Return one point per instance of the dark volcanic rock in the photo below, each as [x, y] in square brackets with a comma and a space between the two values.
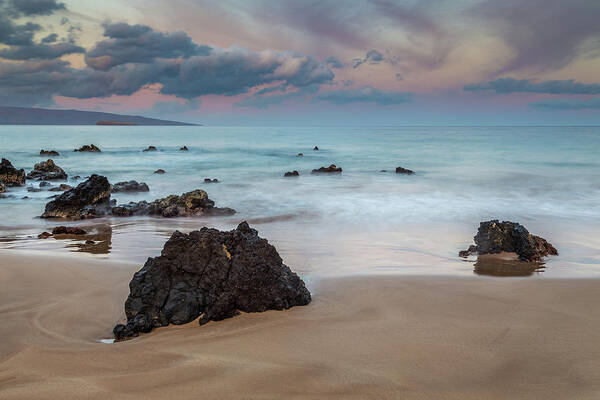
[9, 175]
[327, 170]
[209, 274]
[46, 171]
[400, 170]
[495, 237]
[291, 173]
[300, 155]
[32, 189]
[88, 200]
[195, 203]
[68, 230]
[131, 186]
[160, 171]
[44, 184]
[62, 188]
[184, 148]
[315, 148]
[89, 148]
[150, 148]
[208, 180]
[49, 153]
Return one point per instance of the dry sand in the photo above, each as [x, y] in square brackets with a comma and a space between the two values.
[362, 337]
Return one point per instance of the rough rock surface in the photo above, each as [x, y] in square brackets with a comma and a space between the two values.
[150, 148]
[91, 148]
[46, 171]
[2, 188]
[400, 170]
[209, 274]
[189, 204]
[88, 200]
[130, 186]
[49, 153]
[291, 173]
[495, 237]
[327, 170]
[9, 175]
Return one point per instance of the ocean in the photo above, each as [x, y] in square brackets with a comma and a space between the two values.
[362, 221]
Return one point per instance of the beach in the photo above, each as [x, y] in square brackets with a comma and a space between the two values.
[363, 336]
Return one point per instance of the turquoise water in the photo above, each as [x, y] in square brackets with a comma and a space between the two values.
[547, 178]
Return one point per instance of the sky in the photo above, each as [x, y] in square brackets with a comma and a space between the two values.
[301, 62]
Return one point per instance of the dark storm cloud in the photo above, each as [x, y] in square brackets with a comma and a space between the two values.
[51, 38]
[545, 34]
[14, 34]
[511, 85]
[365, 94]
[47, 51]
[567, 104]
[140, 44]
[35, 7]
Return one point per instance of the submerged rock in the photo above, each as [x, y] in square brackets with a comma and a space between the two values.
[9, 175]
[88, 200]
[209, 274]
[49, 153]
[195, 203]
[150, 148]
[184, 148]
[160, 171]
[327, 170]
[400, 170]
[89, 148]
[46, 171]
[291, 173]
[316, 148]
[494, 237]
[130, 186]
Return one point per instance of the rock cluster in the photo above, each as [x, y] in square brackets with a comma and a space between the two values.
[89, 148]
[130, 186]
[9, 175]
[88, 200]
[400, 170]
[46, 171]
[195, 203]
[209, 274]
[495, 237]
[327, 170]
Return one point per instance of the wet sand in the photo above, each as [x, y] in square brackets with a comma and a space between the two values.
[362, 337]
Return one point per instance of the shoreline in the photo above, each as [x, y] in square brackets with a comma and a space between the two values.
[361, 337]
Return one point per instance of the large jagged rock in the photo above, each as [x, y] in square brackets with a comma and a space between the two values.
[495, 237]
[9, 175]
[195, 203]
[130, 186]
[209, 274]
[46, 171]
[88, 200]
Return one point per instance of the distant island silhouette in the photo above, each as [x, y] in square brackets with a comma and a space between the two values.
[42, 116]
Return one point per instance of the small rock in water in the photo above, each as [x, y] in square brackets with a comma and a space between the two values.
[208, 180]
[62, 188]
[44, 184]
[160, 171]
[291, 173]
[316, 148]
[300, 155]
[494, 237]
[44, 235]
[68, 230]
[400, 170]
[9, 175]
[150, 148]
[209, 274]
[46, 171]
[130, 186]
[325, 170]
[184, 148]
[89, 148]
[32, 189]
[49, 153]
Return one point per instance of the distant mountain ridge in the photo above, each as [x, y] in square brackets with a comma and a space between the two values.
[42, 116]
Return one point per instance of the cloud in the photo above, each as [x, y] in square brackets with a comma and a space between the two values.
[13, 34]
[365, 94]
[36, 7]
[545, 34]
[262, 101]
[140, 44]
[567, 104]
[373, 57]
[334, 62]
[51, 38]
[47, 51]
[511, 85]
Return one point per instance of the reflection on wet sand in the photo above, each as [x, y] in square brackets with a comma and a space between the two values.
[98, 240]
[505, 265]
